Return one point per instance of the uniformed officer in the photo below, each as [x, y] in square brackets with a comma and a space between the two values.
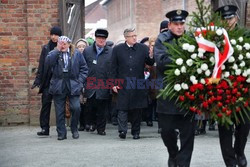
[233, 154]
[172, 118]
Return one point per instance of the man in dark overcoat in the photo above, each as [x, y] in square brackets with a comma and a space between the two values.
[128, 61]
[69, 73]
[43, 82]
[98, 58]
[233, 152]
[172, 118]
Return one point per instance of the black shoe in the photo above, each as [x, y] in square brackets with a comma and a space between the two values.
[136, 136]
[81, 128]
[103, 133]
[242, 161]
[75, 135]
[92, 128]
[87, 127]
[196, 132]
[61, 137]
[43, 133]
[150, 123]
[171, 162]
[202, 132]
[122, 135]
[211, 127]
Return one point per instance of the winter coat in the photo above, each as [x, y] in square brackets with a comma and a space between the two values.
[128, 65]
[99, 69]
[162, 58]
[78, 71]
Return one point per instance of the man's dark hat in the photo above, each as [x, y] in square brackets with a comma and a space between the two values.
[177, 15]
[227, 11]
[110, 43]
[163, 25]
[101, 33]
[145, 39]
[56, 31]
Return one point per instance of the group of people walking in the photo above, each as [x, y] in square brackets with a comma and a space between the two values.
[97, 71]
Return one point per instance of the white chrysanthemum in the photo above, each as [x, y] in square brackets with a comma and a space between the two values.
[248, 80]
[177, 87]
[204, 66]
[239, 47]
[193, 56]
[200, 50]
[223, 67]
[212, 59]
[242, 64]
[207, 73]
[195, 81]
[238, 72]
[179, 61]
[248, 71]
[231, 59]
[199, 71]
[240, 39]
[244, 74]
[203, 81]
[212, 28]
[235, 66]
[183, 69]
[192, 78]
[177, 72]
[247, 46]
[233, 41]
[248, 55]
[200, 55]
[185, 46]
[219, 32]
[189, 62]
[240, 57]
[226, 74]
[184, 86]
[191, 48]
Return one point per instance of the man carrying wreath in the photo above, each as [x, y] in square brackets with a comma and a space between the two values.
[233, 154]
[172, 118]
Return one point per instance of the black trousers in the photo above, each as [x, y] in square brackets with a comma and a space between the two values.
[74, 105]
[82, 115]
[134, 117]
[228, 149]
[186, 127]
[96, 113]
[45, 110]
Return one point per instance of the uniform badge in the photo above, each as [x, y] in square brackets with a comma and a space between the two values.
[226, 8]
[178, 12]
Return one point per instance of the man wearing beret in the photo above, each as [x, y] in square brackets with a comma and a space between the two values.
[128, 62]
[43, 82]
[172, 118]
[98, 57]
[233, 154]
[69, 73]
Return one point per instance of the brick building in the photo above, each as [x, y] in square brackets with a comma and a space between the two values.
[146, 15]
[24, 28]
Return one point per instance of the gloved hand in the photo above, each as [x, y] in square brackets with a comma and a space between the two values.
[34, 85]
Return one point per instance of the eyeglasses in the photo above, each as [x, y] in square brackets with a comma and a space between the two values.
[134, 36]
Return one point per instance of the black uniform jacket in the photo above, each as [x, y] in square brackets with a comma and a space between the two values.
[162, 58]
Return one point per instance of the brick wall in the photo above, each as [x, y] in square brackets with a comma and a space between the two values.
[24, 28]
[248, 16]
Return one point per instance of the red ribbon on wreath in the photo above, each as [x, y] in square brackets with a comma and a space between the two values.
[220, 58]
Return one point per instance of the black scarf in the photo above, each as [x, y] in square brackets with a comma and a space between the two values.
[52, 45]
